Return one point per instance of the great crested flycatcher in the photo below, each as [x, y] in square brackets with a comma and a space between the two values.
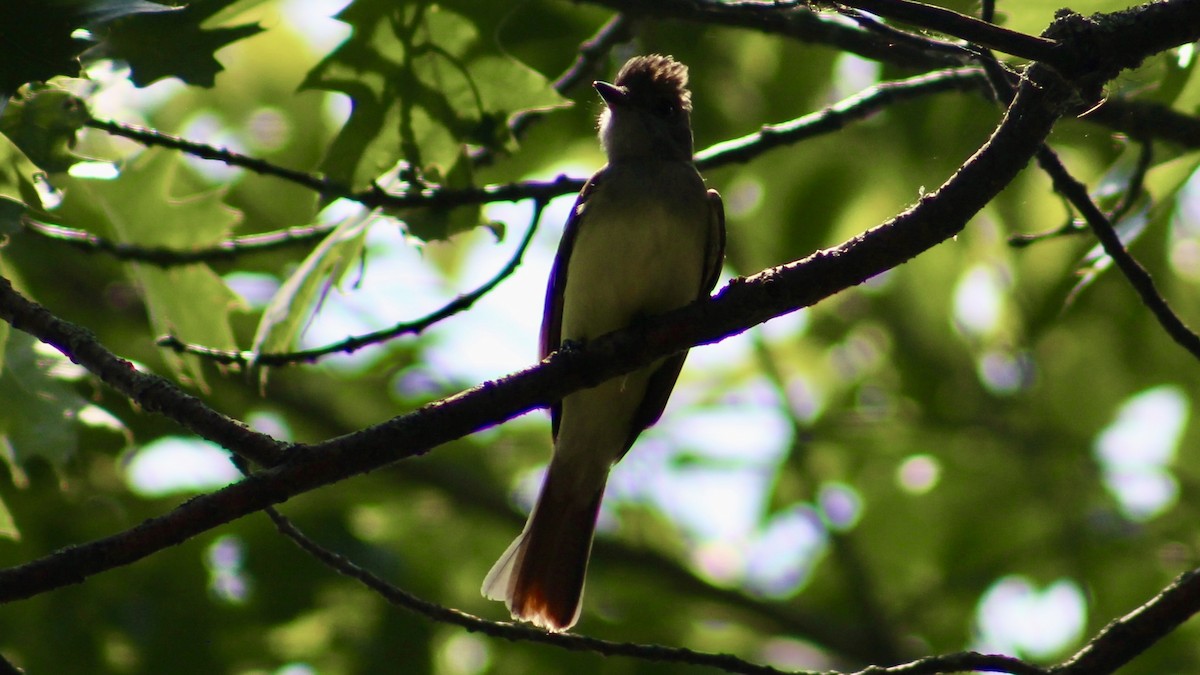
[643, 238]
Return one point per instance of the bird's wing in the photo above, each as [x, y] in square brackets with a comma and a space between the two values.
[551, 335]
[714, 249]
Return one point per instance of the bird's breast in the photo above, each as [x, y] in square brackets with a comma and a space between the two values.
[639, 250]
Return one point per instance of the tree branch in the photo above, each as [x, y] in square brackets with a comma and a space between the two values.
[352, 344]
[968, 28]
[172, 257]
[153, 137]
[591, 53]
[957, 663]
[1138, 277]
[150, 392]
[1146, 120]
[1132, 634]
[789, 19]
[399, 597]
[373, 197]
[509, 631]
[853, 109]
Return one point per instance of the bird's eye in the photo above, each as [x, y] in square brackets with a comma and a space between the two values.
[666, 109]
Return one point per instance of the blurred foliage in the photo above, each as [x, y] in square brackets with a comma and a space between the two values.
[946, 428]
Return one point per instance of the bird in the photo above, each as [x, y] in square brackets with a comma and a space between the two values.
[645, 236]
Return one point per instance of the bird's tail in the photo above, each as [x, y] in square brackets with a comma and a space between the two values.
[540, 576]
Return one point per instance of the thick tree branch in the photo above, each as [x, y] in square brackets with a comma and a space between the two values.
[1132, 634]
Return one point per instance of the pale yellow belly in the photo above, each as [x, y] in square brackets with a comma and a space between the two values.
[636, 257]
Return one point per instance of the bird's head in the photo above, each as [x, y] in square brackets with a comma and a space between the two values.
[647, 111]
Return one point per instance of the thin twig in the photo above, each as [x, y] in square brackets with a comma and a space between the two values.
[660, 653]
[960, 662]
[354, 343]
[1146, 120]
[1074, 226]
[153, 137]
[1070, 228]
[1138, 277]
[951, 50]
[1142, 121]
[591, 52]
[962, 26]
[855, 108]
[1137, 183]
[373, 197]
[170, 257]
[508, 631]
[795, 20]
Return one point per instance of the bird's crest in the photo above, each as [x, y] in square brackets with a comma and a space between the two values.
[656, 77]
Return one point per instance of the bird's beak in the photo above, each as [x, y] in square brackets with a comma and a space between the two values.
[613, 95]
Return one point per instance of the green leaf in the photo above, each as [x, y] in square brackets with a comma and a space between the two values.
[189, 301]
[16, 180]
[38, 405]
[1187, 92]
[174, 44]
[1165, 180]
[43, 124]
[300, 296]
[423, 83]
